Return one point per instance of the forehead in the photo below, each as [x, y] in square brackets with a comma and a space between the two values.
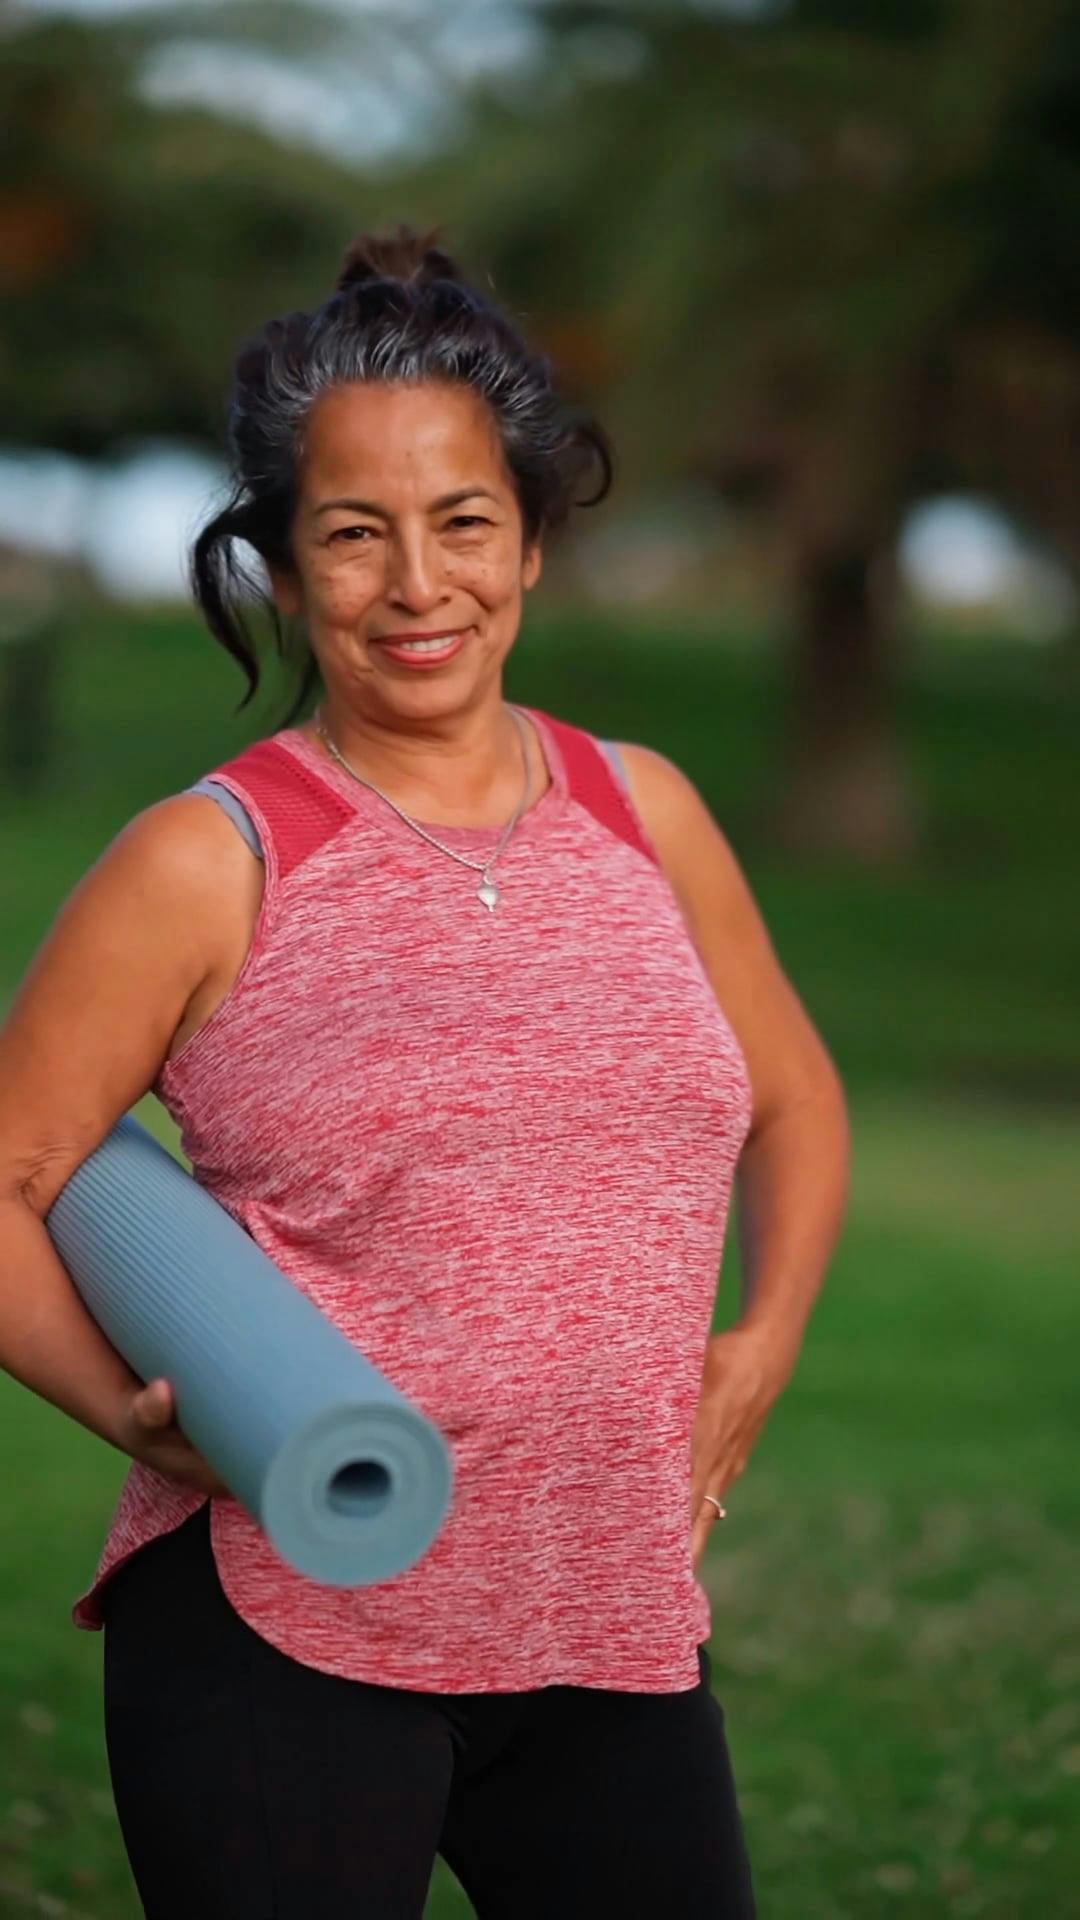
[400, 433]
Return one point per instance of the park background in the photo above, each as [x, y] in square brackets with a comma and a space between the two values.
[817, 266]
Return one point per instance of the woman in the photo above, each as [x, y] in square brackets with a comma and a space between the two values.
[470, 1036]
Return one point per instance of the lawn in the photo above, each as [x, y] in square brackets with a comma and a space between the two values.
[896, 1591]
[958, 975]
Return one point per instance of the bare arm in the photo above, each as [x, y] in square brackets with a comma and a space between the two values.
[89, 1028]
[794, 1168]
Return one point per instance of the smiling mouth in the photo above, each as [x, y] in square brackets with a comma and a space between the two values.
[433, 633]
[424, 648]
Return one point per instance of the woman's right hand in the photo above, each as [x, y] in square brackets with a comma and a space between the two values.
[150, 1434]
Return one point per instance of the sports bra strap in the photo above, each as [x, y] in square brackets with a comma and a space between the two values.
[235, 809]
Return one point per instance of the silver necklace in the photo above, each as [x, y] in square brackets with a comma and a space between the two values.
[487, 891]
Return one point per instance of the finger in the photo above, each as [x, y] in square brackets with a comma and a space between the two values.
[699, 1537]
[154, 1404]
[707, 1515]
[699, 1488]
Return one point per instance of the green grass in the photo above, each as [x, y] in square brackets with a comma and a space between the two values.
[896, 1591]
[956, 977]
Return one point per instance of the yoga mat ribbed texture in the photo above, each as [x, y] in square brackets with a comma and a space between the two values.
[349, 1481]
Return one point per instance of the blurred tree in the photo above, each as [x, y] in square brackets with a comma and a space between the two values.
[31, 602]
[140, 243]
[826, 258]
[822, 256]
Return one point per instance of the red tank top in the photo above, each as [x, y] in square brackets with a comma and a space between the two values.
[496, 1148]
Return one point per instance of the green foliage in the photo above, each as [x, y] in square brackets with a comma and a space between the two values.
[749, 241]
[801, 246]
[145, 243]
[818, 262]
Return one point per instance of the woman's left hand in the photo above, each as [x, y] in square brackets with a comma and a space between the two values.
[745, 1369]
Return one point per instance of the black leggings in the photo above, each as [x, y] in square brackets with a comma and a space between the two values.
[248, 1784]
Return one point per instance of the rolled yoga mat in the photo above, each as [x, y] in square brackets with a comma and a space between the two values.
[349, 1480]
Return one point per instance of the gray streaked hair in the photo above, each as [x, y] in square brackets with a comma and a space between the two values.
[399, 312]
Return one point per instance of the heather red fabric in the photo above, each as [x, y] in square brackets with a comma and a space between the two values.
[497, 1150]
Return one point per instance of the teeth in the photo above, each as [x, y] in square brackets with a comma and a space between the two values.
[425, 646]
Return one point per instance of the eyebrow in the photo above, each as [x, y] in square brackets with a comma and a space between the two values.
[435, 506]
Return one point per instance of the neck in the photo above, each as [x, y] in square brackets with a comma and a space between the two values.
[475, 777]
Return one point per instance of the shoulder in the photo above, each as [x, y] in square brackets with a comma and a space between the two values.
[186, 840]
[662, 787]
[180, 864]
[693, 849]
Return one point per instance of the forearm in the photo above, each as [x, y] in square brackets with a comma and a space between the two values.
[48, 1340]
[792, 1192]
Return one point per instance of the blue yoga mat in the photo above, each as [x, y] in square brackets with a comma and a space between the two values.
[349, 1480]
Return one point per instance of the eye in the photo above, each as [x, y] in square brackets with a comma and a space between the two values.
[340, 532]
[469, 520]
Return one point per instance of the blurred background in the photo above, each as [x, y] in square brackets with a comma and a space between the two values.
[817, 266]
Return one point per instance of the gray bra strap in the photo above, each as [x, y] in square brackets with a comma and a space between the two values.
[241, 818]
[616, 759]
[237, 813]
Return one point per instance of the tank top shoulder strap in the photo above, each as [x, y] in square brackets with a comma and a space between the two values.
[292, 810]
[594, 784]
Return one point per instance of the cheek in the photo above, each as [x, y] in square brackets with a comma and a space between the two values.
[341, 592]
[494, 577]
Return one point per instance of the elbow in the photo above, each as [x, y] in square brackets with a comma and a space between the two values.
[816, 1092]
[35, 1182]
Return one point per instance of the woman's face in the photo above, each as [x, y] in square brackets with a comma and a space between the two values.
[379, 550]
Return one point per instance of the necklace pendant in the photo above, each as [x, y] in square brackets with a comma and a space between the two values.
[488, 892]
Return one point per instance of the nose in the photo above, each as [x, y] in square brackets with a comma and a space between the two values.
[414, 571]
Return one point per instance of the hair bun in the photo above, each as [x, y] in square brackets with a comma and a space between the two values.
[402, 255]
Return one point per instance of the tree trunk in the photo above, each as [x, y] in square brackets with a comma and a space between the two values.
[846, 789]
[30, 640]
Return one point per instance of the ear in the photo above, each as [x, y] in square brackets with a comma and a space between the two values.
[285, 588]
[531, 565]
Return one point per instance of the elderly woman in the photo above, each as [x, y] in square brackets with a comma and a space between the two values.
[467, 1017]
